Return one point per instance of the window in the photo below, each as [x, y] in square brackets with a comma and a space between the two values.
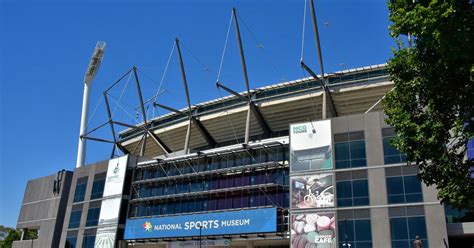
[390, 154]
[403, 186]
[71, 240]
[356, 226]
[88, 241]
[80, 189]
[350, 150]
[352, 188]
[75, 218]
[405, 224]
[98, 186]
[93, 216]
[454, 215]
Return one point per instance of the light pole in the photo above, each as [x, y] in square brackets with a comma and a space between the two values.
[200, 234]
[345, 234]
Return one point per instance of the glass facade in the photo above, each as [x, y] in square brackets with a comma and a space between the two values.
[352, 193]
[98, 186]
[454, 215]
[403, 231]
[234, 180]
[354, 228]
[359, 233]
[75, 218]
[93, 216]
[71, 242]
[404, 189]
[349, 150]
[390, 154]
[352, 188]
[88, 241]
[80, 192]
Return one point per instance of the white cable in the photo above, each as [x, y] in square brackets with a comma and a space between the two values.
[166, 69]
[225, 46]
[121, 94]
[95, 109]
[304, 25]
[131, 116]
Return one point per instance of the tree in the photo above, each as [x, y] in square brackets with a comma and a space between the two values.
[432, 102]
[12, 236]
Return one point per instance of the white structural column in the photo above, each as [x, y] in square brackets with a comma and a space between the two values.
[92, 69]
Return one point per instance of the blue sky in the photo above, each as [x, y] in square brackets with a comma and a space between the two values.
[46, 46]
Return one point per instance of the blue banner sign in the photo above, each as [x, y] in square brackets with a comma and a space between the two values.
[221, 223]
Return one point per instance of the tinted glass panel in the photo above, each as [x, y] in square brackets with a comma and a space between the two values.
[93, 216]
[98, 188]
[75, 219]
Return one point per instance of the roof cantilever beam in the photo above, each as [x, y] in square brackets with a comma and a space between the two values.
[155, 138]
[327, 92]
[203, 131]
[260, 119]
[258, 115]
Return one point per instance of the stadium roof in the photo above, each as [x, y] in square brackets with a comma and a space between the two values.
[353, 91]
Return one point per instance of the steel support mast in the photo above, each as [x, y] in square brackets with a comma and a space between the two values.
[92, 69]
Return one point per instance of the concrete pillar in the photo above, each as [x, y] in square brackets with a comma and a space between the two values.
[249, 244]
[379, 220]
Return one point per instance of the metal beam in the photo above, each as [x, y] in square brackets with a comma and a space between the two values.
[229, 90]
[205, 134]
[316, 36]
[97, 139]
[185, 84]
[159, 142]
[261, 120]
[140, 98]
[327, 93]
[155, 138]
[118, 80]
[241, 49]
[168, 108]
[109, 114]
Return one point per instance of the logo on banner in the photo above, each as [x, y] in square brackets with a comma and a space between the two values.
[299, 129]
[147, 226]
[116, 169]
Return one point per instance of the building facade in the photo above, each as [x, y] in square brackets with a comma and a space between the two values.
[300, 181]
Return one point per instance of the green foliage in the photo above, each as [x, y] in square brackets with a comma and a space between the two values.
[12, 236]
[432, 104]
[16, 235]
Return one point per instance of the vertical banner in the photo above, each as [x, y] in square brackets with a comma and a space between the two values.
[312, 191]
[110, 207]
[311, 146]
[315, 230]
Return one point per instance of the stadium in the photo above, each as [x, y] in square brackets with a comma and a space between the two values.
[305, 163]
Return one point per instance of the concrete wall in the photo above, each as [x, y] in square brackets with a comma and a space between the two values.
[43, 210]
[372, 124]
[88, 171]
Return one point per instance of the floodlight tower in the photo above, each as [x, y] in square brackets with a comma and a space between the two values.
[92, 69]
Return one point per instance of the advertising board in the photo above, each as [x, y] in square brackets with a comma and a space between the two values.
[110, 206]
[199, 243]
[315, 230]
[115, 176]
[312, 191]
[219, 223]
[311, 146]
